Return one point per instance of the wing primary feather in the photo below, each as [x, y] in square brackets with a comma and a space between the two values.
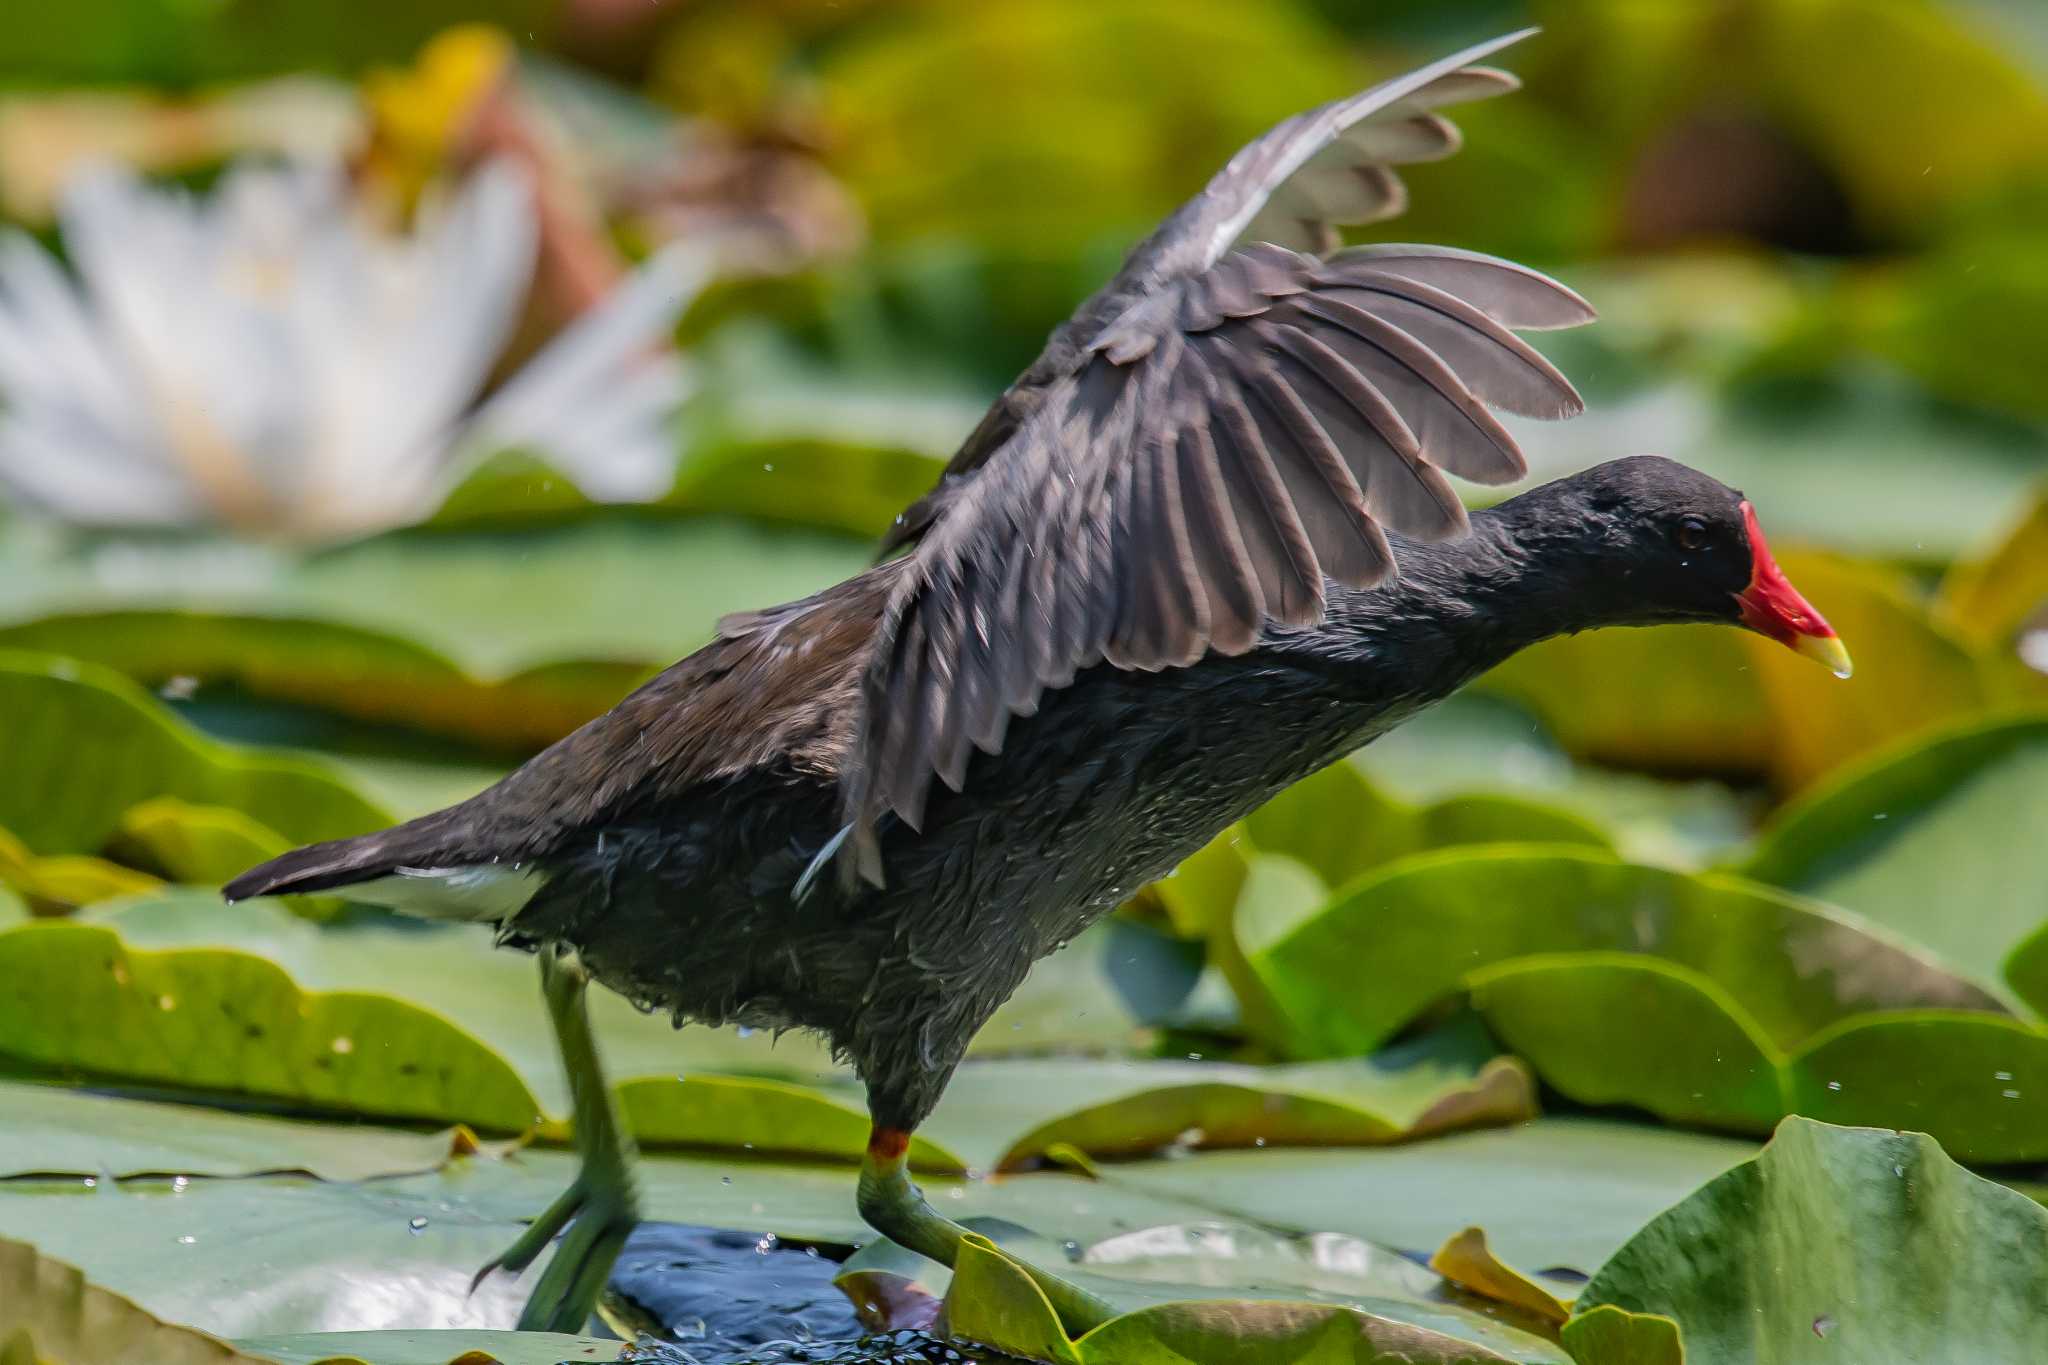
[1236, 604]
[1402, 488]
[1491, 458]
[1290, 579]
[1498, 366]
[1512, 295]
[1350, 547]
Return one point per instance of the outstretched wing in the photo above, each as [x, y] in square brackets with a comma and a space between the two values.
[1232, 419]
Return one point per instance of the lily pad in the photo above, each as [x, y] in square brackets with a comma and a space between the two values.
[85, 745]
[1907, 838]
[1422, 926]
[1912, 673]
[1613, 1336]
[52, 1131]
[1886, 1250]
[1977, 1081]
[226, 1022]
[1695, 699]
[50, 1312]
[65, 881]
[1990, 595]
[1558, 1192]
[1124, 1108]
[350, 670]
[430, 1348]
[992, 1301]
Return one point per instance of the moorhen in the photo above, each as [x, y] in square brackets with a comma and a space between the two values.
[1201, 548]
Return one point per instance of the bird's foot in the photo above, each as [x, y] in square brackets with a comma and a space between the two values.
[894, 1207]
[599, 1216]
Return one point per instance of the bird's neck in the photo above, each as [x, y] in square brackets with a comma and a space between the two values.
[1531, 568]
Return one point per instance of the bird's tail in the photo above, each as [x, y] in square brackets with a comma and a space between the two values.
[345, 862]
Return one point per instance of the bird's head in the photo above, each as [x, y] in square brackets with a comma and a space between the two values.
[1690, 548]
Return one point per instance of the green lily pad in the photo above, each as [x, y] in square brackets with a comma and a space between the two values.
[452, 970]
[1991, 594]
[1977, 1081]
[1731, 703]
[1421, 927]
[205, 846]
[228, 1022]
[85, 745]
[350, 670]
[1912, 673]
[494, 603]
[50, 1312]
[1124, 1108]
[992, 1301]
[1692, 1054]
[431, 1348]
[1900, 838]
[1558, 1192]
[1614, 1336]
[1338, 824]
[52, 1131]
[64, 881]
[1884, 1248]
[774, 1118]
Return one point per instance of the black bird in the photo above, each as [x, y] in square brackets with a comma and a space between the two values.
[1203, 547]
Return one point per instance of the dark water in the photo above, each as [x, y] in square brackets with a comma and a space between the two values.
[733, 1298]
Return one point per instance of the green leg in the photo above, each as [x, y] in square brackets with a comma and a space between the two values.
[896, 1208]
[601, 1201]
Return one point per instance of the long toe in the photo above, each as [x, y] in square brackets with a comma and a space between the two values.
[569, 1288]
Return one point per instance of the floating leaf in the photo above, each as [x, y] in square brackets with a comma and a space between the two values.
[49, 1312]
[431, 1348]
[220, 1021]
[65, 881]
[85, 745]
[1912, 673]
[1466, 1261]
[1885, 1249]
[1123, 1109]
[1421, 927]
[349, 670]
[992, 1301]
[206, 846]
[52, 1131]
[1991, 594]
[1558, 1192]
[1613, 1336]
[774, 1118]
[1899, 839]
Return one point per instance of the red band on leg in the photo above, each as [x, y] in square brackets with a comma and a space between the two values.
[888, 1144]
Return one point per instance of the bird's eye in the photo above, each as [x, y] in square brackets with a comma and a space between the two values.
[1692, 534]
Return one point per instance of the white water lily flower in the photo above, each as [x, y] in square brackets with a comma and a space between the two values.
[265, 359]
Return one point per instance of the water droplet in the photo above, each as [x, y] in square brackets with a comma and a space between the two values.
[416, 1224]
[2001, 1075]
[1258, 1142]
[1072, 1248]
[179, 1184]
[725, 1180]
[745, 1030]
[1823, 1325]
[344, 1046]
[1899, 1171]
[92, 1182]
[1194, 1056]
[1834, 1085]
[690, 1329]
[769, 1241]
[187, 1240]
[2010, 1094]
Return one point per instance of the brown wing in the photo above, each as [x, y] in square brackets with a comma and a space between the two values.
[1230, 432]
[1327, 168]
